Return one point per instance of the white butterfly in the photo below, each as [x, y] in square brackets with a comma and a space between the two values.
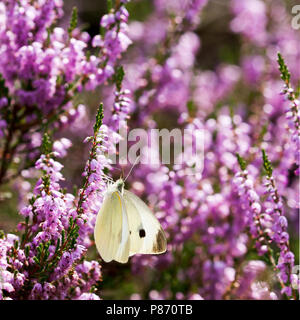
[126, 226]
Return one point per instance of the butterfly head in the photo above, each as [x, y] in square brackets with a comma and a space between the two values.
[120, 185]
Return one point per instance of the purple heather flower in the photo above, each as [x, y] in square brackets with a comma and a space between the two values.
[212, 218]
[61, 146]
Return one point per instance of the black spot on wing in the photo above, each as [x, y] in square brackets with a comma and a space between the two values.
[142, 233]
[160, 245]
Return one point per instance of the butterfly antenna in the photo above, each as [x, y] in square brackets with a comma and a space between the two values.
[122, 173]
[135, 162]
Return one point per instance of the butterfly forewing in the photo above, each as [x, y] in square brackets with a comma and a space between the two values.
[111, 230]
[135, 224]
[146, 233]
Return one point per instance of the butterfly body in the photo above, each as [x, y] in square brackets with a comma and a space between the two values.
[126, 226]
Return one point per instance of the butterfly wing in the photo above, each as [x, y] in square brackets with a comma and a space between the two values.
[146, 233]
[111, 229]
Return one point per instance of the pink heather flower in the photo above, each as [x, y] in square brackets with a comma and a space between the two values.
[3, 102]
[250, 19]
[61, 146]
[195, 296]
[89, 296]
[253, 68]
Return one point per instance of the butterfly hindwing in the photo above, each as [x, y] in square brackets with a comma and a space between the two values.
[111, 230]
[146, 233]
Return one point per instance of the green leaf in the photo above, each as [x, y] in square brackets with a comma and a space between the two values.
[47, 253]
[241, 162]
[46, 144]
[102, 31]
[36, 260]
[57, 245]
[285, 74]
[63, 236]
[73, 242]
[109, 5]
[191, 108]
[49, 32]
[71, 222]
[16, 244]
[39, 251]
[118, 77]
[267, 164]
[27, 248]
[32, 200]
[73, 21]
[47, 245]
[74, 231]
[99, 118]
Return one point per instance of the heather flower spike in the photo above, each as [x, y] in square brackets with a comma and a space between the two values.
[46, 144]
[267, 164]
[284, 72]
[118, 77]
[99, 119]
[73, 21]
